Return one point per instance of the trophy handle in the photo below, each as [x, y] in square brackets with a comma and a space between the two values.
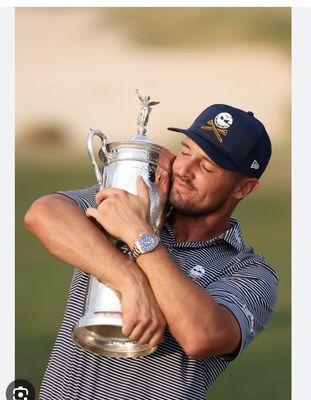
[103, 138]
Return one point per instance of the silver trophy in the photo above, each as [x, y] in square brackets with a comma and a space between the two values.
[99, 330]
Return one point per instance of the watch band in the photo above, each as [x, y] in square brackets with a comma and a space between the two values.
[135, 251]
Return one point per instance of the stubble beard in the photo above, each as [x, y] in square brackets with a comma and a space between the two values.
[191, 209]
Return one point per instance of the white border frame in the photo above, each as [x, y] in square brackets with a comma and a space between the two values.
[153, 3]
[7, 145]
[301, 143]
[301, 220]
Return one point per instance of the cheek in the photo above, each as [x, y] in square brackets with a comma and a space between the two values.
[177, 164]
[220, 189]
[211, 187]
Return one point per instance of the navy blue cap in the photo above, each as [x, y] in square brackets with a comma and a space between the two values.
[232, 138]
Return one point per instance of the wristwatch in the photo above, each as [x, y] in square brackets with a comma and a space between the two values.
[145, 243]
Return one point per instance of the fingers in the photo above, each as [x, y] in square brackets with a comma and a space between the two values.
[157, 338]
[152, 337]
[92, 212]
[99, 216]
[107, 192]
[145, 331]
[139, 331]
[128, 325]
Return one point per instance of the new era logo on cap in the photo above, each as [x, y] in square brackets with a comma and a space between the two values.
[234, 139]
[255, 164]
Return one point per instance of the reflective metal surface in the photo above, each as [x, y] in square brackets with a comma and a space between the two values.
[143, 116]
[100, 328]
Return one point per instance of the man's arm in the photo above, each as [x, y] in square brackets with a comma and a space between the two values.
[71, 236]
[200, 325]
[223, 318]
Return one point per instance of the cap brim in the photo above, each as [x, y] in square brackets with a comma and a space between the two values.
[209, 148]
[177, 130]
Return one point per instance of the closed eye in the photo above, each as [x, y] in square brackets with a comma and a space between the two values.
[206, 168]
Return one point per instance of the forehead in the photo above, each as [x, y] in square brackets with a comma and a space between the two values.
[196, 150]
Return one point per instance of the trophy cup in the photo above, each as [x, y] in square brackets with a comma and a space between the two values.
[99, 330]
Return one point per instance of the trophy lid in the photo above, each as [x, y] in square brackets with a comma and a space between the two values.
[139, 147]
[142, 138]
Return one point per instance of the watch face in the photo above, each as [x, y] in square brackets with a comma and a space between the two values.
[147, 242]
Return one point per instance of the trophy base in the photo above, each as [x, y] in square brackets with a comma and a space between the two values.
[101, 333]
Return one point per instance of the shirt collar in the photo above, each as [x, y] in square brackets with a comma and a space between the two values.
[233, 235]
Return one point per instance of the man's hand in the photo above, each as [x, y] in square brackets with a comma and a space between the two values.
[143, 320]
[123, 214]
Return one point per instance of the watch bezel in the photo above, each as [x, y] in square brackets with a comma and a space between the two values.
[142, 247]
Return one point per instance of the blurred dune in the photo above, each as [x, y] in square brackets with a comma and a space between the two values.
[78, 68]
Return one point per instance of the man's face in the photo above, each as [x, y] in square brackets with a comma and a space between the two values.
[199, 186]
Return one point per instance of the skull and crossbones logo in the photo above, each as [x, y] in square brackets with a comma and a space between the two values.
[223, 120]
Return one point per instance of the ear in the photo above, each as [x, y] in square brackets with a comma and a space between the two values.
[246, 186]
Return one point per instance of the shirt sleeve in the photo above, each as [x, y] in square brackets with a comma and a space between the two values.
[250, 295]
[84, 198]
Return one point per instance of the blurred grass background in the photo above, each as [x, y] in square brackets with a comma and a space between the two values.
[194, 27]
[47, 158]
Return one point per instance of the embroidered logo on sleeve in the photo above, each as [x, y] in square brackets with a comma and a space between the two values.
[250, 316]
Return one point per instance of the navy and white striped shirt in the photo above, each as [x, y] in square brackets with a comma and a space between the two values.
[224, 267]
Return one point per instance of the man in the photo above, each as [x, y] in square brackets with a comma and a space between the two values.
[199, 293]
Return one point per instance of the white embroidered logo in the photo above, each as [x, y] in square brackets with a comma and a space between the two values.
[251, 318]
[255, 165]
[223, 120]
[197, 271]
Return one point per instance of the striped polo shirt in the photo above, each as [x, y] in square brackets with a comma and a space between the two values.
[224, 267]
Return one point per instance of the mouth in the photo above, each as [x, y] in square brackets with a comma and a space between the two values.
[179, 182]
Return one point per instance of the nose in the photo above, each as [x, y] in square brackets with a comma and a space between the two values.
[186, 167]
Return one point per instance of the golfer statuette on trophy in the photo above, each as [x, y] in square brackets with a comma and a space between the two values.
[99, 330]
